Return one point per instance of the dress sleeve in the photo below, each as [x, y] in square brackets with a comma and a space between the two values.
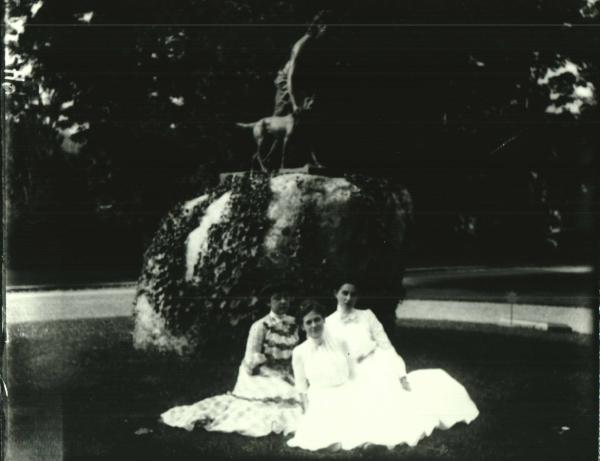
[383, 342]
[299, 373]
[253, 356]
[377, 332]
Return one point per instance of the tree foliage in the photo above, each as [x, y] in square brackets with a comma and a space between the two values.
[130, 106]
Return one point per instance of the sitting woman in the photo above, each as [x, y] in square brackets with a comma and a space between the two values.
[431, 397]
[264, 398]
[323, 372]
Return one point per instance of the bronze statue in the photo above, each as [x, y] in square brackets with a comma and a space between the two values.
[278, 128]
[291, 107]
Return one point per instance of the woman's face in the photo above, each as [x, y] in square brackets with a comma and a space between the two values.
[280, 302]
[346, 296]
[313, 324]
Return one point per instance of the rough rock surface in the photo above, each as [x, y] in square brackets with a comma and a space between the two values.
[321, 230]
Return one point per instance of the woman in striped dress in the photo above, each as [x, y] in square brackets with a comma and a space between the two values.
[264, 399]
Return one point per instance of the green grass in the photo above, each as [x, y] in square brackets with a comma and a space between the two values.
[81, 381]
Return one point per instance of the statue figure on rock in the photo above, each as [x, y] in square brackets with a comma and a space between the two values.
[208, 260]
[293, 107]
[278, 129]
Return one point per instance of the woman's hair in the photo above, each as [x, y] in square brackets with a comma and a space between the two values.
[341, 282]
[310, 305]
[275, 289]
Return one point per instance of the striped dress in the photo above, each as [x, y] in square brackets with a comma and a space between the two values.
[264, 399]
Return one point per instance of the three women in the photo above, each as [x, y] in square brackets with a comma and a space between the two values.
[351, 387]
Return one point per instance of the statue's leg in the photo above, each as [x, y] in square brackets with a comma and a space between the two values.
[272, 149]
[252, 160]
[258, 156]
[283, 150]
[314, 158]
[260, 162]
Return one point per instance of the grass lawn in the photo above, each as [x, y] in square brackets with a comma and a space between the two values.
[78, 390]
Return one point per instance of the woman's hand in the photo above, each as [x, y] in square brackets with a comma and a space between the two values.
[303, 402]
[249, 369]
[361, 357]
[405, 384]
[253, 371]
[253, 363]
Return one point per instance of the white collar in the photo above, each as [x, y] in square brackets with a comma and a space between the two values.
[314, 344]
[346, 316]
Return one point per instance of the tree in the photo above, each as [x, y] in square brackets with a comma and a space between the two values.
[140, 100]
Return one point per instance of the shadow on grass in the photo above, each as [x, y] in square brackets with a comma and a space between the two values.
[79, 389]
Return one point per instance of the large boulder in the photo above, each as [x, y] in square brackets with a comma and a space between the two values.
[212, 257]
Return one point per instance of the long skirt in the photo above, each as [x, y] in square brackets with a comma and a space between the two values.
[374, 409]
[257, 406]
[435, 401]
[329, 421]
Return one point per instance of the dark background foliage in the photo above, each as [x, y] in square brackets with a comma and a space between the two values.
[420, 92]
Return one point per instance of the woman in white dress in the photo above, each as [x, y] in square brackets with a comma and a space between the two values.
[431, 397]
[323, 373]
[264, 399]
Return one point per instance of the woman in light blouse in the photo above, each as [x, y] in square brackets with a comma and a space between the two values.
[431, 396]
[369, 345]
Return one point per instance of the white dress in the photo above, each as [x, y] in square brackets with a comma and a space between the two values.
[262, 402]
[342, 413]
[392, 415]
[323, 371]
